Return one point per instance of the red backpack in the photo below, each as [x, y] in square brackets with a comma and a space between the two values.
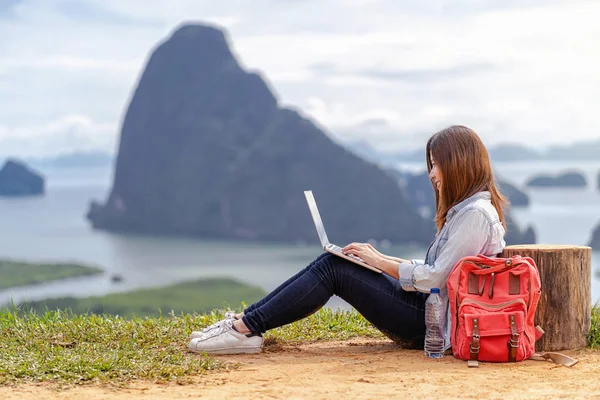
[493, 303]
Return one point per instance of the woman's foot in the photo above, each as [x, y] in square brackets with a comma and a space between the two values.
[228, 315]
[225, 339]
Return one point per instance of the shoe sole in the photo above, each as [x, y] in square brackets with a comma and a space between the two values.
[229, 350]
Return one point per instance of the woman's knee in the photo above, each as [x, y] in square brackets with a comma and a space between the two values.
[324, 259]
[328, 264]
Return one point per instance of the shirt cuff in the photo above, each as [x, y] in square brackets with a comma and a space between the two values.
[405, 276]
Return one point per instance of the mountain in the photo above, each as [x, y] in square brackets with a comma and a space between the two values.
[364, 150]
[206, 150]
[513, 152]
[588, 150]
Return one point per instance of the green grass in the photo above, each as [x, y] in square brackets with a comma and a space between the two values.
[325, 324]
[71, 349]
[594, 335]
[67, 349]
[76, 349]
[16, 273]
[188, 297]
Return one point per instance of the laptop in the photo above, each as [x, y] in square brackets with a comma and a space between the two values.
[329, 247]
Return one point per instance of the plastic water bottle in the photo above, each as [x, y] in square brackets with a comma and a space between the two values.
[434, 321]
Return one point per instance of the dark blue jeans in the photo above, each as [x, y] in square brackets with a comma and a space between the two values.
[399, 314]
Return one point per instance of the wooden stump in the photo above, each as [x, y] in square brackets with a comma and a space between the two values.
[564, 310]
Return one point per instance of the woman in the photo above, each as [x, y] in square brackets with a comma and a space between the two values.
[469, 219]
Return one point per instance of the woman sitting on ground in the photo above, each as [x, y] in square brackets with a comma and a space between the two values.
[469, 219]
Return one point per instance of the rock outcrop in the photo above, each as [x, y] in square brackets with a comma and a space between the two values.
[206, 150]
[568, 179]
[420, 192]
[17, 179]
[516, 196]
[595, 241]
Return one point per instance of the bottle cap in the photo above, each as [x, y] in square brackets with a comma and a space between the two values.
[434, 290]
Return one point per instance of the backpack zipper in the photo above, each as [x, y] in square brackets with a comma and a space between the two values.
[486, 305]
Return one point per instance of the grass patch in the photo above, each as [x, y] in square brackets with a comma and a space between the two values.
[71, 349]
[16, 273]
[74, 349]
[64, 348]
[594, 335]
[326, 324]
[199, 296]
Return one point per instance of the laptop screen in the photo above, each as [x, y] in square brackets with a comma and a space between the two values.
[314, 211]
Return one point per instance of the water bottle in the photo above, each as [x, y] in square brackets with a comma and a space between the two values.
[434, 321]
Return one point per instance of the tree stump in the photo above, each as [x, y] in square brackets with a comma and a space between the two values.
[564, 310]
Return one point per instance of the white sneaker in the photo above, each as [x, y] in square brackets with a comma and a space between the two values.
[226, 340]
[203, 332]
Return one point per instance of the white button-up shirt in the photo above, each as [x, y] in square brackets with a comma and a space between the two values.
[472, 227]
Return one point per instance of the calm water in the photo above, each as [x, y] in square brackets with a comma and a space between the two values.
[53, 228]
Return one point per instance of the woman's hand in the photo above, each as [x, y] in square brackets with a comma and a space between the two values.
[366, 252]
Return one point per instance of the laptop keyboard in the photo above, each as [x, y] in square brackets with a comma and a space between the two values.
[338, 249]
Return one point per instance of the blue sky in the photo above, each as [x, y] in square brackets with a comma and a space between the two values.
[390, 72]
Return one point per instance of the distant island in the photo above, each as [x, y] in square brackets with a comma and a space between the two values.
[198, 296]
[17, 179]
[15, 273]
[567, 179]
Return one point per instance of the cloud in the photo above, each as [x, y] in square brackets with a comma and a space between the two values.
[409, 75]
[390, 71]
[92, 12]
[70, 63]
[7, 7]
[66, 134]
[420, 75]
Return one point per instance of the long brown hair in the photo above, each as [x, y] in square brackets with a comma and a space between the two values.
[465, 166]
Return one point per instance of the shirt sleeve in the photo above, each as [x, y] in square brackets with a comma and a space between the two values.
[467, 237]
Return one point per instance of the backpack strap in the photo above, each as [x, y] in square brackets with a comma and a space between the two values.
[475, 345]
[513, 343]
[558, 358]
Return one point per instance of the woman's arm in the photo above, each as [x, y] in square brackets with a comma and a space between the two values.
[390, 266]
[390, 258]
[469, 236]
[371, 256]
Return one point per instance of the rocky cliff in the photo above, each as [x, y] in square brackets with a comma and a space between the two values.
[418, 187]
[206, 150]
[17, 179]
[595, 241]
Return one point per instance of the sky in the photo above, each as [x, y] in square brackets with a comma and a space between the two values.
[388, 72]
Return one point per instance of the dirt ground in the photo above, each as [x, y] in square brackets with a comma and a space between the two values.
[364, 369]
